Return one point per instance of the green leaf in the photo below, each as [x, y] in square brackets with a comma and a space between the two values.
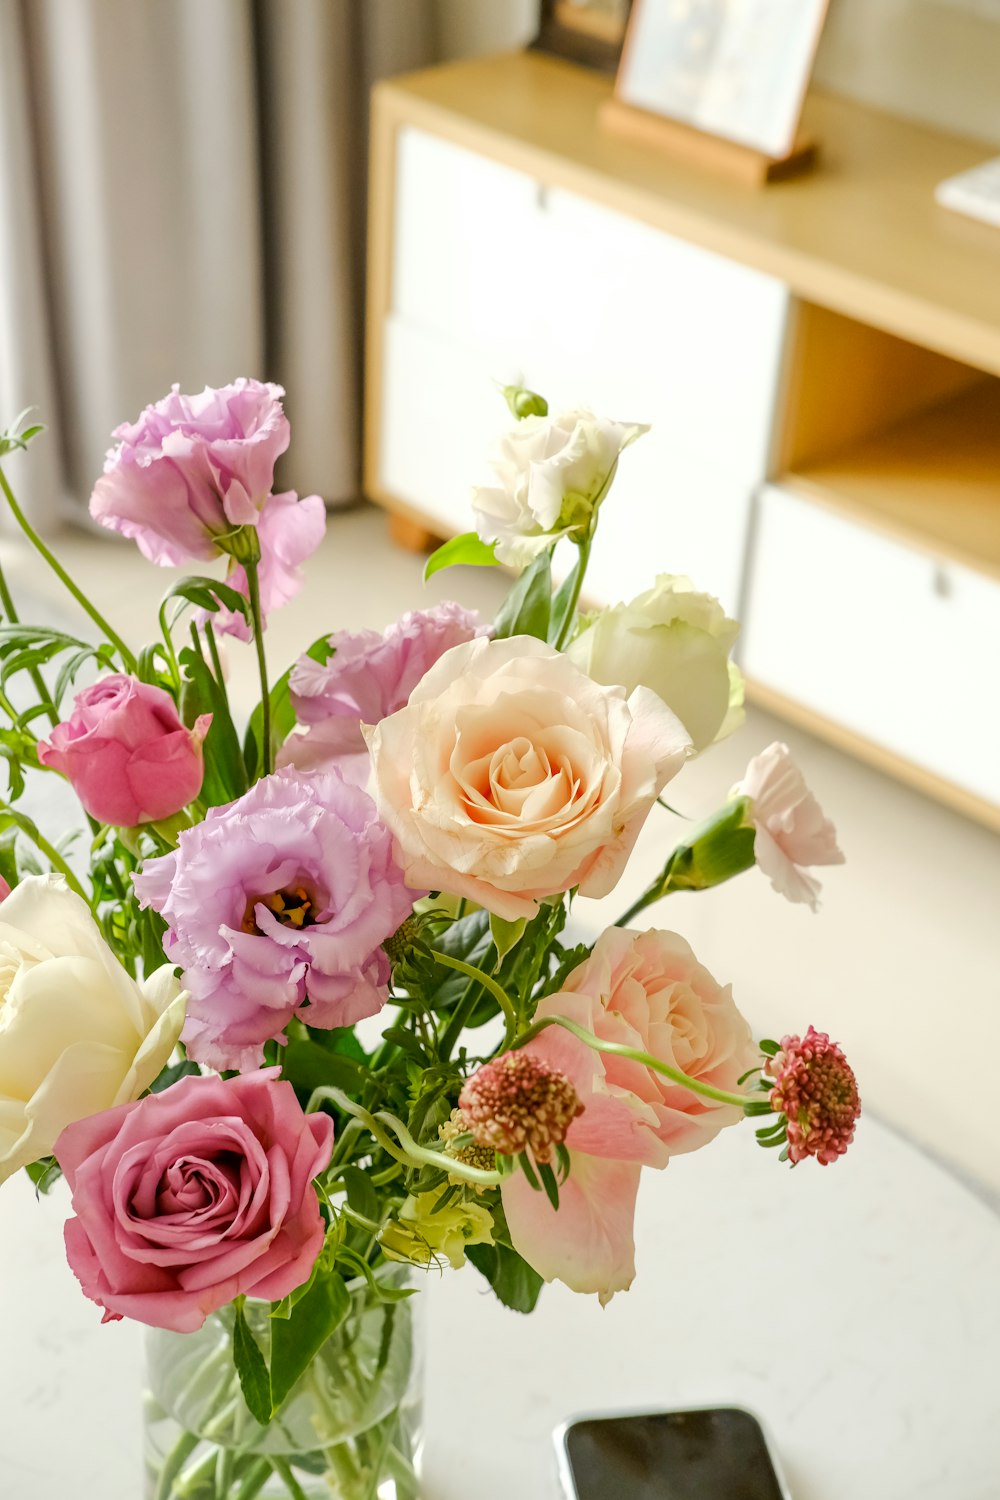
[210, 594]
[563, 602]
[297, 1339]
[307, 1065]
[549, 1183]
[282, 712]
[251, 1367]
[506, 934]
[174, 1074]
[225, 773]
[525, 611]
[44, 1173]
[514, 1282]
[769, 1048]
[361, 1196]
[466, 550]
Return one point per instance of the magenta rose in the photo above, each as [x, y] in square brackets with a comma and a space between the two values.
[278, 905]
[194, 1196]
[289, 531]
[126, 752]
[369, 676]
[192, 469]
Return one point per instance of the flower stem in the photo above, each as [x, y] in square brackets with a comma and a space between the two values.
[579, 569]
[6, 599]
[51, 853]
[619, 1049]
[253, 587]
[128, 660]
[284, 1472]
[407, 1152]
[500, 995]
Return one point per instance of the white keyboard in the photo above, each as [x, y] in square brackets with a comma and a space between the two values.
[976, 192]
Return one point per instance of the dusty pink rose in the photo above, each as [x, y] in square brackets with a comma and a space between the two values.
[369, 676]
[194, 1196]
[791, 830]
[126, 752]
[510, 775]
[192, 469]
[289, 531]
[647, 991]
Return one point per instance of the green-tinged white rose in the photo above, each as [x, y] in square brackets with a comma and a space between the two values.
[676, 641]
[552, 472]
[421, 1236]
[77, 1034]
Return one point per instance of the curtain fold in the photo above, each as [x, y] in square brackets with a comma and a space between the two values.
[182, 199]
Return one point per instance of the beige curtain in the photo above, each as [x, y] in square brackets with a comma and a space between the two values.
[182, 199]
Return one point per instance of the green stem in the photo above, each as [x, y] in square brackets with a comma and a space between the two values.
[128, 660]
[407, 1152]
[253, 588]
[284, 1472]
[169, 643]
[579, 570]
[254, 1480]
[500, 995]
[619, 1049]
[173, 1463]
[6, 599]
[54, 857]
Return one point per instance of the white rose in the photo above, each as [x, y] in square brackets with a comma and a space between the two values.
[511, 776]
[677, 642]
[77, 1034]
[552, 472]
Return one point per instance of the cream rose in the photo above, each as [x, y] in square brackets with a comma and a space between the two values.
[77, 1034]
[551, 474]
[676, 641]
[511, 776]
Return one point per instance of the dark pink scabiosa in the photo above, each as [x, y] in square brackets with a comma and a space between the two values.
[278, 905]
[519, 1103]
[816, 1091]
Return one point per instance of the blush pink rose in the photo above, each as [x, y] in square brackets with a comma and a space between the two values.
[194, 1196]
[510, 775]
[647, 991]
[792, 832]
[126, 752]
[191, 469]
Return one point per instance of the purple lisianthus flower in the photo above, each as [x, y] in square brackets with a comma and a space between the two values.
[278, 905]
[369, 677]
[192, 469]
[289, 531]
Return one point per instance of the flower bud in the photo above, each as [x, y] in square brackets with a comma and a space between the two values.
[525, 403]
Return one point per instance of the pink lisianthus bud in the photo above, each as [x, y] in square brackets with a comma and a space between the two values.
[817, 1092]
[791, 830]
[519, 1103]
[126, 752]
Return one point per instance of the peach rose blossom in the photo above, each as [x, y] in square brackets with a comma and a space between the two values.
[648, 991]
[792, 831]
[510, 775]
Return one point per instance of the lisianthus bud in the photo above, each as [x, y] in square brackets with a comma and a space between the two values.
[518, 1103]
[524, 403]
[817, 1092]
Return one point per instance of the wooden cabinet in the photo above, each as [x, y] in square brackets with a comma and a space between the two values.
[819, 363]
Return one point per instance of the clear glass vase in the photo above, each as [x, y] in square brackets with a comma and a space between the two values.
[349, 1430]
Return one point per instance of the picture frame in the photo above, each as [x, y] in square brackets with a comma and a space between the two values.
[735, 70]
[591, 32]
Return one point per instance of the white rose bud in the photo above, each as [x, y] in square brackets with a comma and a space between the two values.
[77, 1034]
[552, 473]
[677, 642]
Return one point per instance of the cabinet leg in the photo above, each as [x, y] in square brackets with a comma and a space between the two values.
[410, 535]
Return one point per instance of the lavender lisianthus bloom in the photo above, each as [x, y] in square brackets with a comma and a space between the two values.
[369, 676]
[277, 905]
[192, 469]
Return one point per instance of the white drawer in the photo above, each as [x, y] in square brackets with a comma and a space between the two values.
[883, 638]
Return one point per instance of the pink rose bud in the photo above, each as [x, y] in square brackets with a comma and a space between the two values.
[126, 752]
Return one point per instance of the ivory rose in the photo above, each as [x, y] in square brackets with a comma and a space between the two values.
[77, 1034]
[674, 640]
[552, 472]
[511, 776]
[791, 829]
[194, 1196]
[647, 991]
[126, 752]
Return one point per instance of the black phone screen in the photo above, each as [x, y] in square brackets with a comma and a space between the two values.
[681, 1455]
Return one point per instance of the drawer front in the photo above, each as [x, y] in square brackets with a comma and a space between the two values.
[884, 639]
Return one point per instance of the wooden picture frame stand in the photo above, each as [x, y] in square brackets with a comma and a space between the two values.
[711, 153]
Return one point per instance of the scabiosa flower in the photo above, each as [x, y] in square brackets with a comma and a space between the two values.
[472, 1154]
[817, 1092]
[278, 905]
[519, 1103]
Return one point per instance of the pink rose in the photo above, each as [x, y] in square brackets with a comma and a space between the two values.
[289, 531]
[510, 775]
[647, 991]
[194, 1196]
[791, 830]
[192, 469]
[126, 752]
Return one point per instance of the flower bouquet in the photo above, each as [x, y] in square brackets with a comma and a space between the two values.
[260, 1170]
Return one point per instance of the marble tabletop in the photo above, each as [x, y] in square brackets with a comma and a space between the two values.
[855, 1308]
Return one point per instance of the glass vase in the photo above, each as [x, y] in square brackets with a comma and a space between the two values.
[349, 1430]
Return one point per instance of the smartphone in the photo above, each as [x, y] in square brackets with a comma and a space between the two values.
[707, 1453]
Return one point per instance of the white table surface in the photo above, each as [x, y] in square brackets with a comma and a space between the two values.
[856, 1308]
